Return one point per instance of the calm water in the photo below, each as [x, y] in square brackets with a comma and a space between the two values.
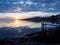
[22, 23]
[18, 23]
[18, 28]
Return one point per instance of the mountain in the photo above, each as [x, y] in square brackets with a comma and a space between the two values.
[34, 19]
[48, 19]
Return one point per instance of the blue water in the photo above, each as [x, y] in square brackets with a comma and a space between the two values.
[19, 28]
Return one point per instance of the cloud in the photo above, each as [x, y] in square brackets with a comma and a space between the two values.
[27, 14]
[14, 9]
[51, 9]
[29, 5]
[43, 14]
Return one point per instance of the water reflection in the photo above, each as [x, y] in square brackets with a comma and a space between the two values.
[18, 23]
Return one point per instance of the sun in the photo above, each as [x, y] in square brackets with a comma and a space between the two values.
[16, 17]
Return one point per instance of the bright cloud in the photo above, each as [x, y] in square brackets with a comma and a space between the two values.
[26, 14]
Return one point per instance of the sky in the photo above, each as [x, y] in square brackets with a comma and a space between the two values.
[29, 7]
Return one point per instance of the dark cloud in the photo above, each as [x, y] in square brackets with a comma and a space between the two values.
[29, 5]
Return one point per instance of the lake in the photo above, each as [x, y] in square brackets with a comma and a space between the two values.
[11, 28]
[18, 23]
[22, 23]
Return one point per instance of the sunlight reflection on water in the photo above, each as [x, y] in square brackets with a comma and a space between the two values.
[18, 23]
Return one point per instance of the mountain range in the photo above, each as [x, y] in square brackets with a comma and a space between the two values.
[40, 19]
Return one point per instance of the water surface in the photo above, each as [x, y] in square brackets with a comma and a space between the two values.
[18, 23]
[11, 28]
